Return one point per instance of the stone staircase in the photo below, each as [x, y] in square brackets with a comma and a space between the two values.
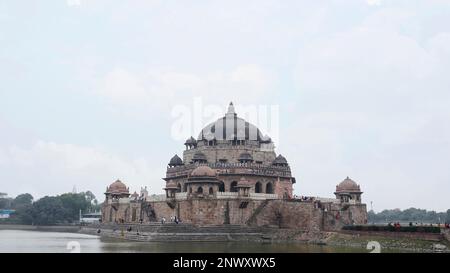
[252, 219]
[179, 232]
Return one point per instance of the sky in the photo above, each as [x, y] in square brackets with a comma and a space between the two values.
[88, 90]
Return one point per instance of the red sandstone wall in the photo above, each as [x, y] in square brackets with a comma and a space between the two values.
[285, 214]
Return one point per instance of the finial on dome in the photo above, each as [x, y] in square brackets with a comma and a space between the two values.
[231, 109]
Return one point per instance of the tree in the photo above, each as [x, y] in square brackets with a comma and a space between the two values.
[73, 203]
[24, 199]
[48, 210]
[5, 202]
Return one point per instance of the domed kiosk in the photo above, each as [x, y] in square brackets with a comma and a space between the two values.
[202, 182]
[348, 191]
[117, 190]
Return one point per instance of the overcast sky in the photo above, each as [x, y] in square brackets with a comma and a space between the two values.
[87, 90]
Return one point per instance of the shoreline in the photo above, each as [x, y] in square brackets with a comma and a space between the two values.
[70, 229]
[170, 233]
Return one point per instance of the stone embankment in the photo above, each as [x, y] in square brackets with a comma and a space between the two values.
[391, 241]
[179, 232]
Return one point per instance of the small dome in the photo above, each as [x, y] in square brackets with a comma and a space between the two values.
[203, 171]
[135, 195]
[245, 156]
[348, 185]
[280, 160]
[190, 141]
[176, 161]
[117, 187]
[199, 156]
[171, 185]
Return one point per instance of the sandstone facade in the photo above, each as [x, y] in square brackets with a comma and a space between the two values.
[231, 174]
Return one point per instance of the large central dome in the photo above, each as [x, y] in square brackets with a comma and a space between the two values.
[231, 127]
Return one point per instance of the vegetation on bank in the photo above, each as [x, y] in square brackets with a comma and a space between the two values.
[392, 228]
[387, 244]
[48, 210]
[409, 215]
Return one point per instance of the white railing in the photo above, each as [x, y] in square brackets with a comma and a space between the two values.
[263, 196]
[181, 195]
[156, 197]
[123, 200]
[327, 200]
[226, 195]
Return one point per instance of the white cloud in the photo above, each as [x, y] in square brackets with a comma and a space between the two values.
[162, 87]
[48, 168]
[386, 93]
[373, 2]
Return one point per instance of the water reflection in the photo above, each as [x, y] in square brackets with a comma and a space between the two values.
[37, 241]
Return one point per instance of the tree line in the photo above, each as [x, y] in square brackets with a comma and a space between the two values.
[409, 215]
[48, 210]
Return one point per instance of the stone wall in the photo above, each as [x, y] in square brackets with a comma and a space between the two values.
[208, 211]
[230, 153]
[289, 214]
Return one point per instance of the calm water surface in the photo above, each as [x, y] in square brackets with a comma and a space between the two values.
[40, 241]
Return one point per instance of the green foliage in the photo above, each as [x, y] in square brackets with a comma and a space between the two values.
[25, 199]
[426, 229]
[409, 215]
[50, 210]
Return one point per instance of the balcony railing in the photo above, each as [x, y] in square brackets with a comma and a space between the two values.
[263, 196]
[156, 197]
[232, 168]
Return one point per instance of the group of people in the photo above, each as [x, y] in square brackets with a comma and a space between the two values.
[397, 224]
[304, 198]
[173, 219]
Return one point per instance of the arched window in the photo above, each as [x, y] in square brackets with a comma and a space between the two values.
[269, 188]
[222, 187]
[211, 191]
[199, 190]
[179, 187]
[126, 215]
[133, 215]
[233, 186]
[258, 187]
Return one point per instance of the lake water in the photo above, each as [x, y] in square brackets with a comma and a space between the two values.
[59, 242]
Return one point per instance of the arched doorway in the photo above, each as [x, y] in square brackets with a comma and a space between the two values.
[211, 191]
[222, 187]
[258, 187]
[233, 186]
[185, 187]
[179, 187]
[199, 190]
[269, 188]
